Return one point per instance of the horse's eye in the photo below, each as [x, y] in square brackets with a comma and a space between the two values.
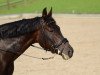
[51, 30]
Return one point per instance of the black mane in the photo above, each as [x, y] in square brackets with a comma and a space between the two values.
[19, 28]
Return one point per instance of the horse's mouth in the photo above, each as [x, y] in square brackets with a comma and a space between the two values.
[64, 56]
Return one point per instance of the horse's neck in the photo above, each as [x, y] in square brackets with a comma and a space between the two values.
[25, 42]
[16, 45]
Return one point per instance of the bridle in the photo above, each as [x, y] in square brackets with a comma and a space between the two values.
[55, 47]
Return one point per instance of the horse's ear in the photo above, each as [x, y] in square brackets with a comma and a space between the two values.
[50, 13]
[44, 13]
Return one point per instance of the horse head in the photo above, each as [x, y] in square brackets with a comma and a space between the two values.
[51, 38]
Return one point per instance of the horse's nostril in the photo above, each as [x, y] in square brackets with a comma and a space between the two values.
[70, 53]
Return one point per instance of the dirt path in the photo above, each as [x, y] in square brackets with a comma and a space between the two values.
[83, 32]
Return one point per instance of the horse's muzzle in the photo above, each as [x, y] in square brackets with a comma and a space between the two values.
[66, 55]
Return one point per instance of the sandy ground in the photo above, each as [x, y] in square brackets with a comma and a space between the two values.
[83, 33]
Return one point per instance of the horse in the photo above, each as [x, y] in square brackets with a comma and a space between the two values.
[17, 36]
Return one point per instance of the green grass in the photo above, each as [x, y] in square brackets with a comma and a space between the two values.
[59, 6]
[2, 1]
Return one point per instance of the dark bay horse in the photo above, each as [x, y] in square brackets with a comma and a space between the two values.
[16, 37]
